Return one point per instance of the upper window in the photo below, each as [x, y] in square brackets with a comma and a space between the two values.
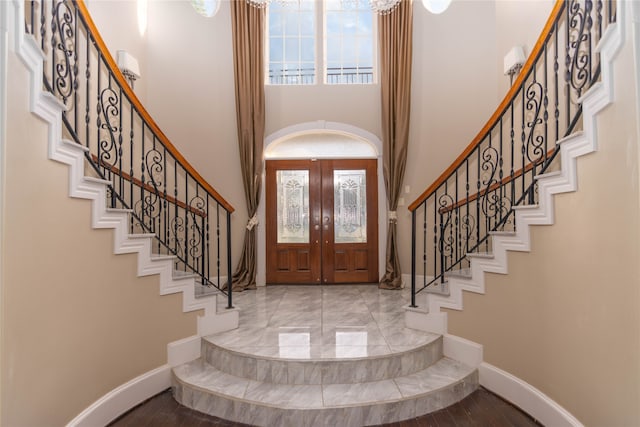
[334, 45]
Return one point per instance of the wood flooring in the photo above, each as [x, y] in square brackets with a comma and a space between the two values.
[480, 409]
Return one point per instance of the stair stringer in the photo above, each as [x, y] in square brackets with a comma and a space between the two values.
[428, 315]
[47, 107]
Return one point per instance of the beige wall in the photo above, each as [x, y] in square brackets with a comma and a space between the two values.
[453, 94]
[190, 94]
[518, 23]
[567, 317]
[77, 322]
[122, 36]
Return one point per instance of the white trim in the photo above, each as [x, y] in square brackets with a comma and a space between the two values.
[184, 350]
[462, 350]
[526, 397]
[314, 127]
[121, 399]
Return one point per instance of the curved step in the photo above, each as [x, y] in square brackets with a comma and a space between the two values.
[204, 388]
[264, 364]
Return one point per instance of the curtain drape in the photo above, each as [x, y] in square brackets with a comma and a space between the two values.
[395, 40]
[247, 26]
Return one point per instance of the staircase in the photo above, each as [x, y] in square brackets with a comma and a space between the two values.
[290, 367]
[88, 181]
[504, 214]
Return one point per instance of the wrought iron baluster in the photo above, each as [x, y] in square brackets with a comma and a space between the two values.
[545, 115]
[435, 236]
[131, 160]
[478, 188]
[556, 68]
[164, 231]
[500, 173]
[43, 28]
[120, 151]
[424, 246]
[413, 258]
[186, 221]
[218, 243]
[87, 74]
[75, 72]
[457, 243]
[229, 272]
[142, 199]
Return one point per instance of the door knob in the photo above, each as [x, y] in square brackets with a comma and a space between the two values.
[316, 227]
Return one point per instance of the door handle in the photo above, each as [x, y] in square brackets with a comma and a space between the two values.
[326, 222]
[316, 227]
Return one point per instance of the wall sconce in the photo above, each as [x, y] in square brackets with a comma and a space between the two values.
[436, 6]
[129, 66]
[513, 61]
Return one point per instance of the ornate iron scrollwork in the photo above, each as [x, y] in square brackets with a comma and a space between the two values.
[62, 42]
[534, 149]
[108, 118]
[578, 59]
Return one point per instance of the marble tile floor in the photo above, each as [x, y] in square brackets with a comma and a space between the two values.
[321, 323]
[321, 356]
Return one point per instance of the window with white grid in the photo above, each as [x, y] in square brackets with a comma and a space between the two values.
[348, 46]
[291, 49]
[330, 41]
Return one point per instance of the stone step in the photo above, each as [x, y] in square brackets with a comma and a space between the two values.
[269, 364]
[204, 388]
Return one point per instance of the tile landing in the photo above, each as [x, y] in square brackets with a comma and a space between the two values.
[330, 355]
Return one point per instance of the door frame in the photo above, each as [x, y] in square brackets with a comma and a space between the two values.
[322, 126]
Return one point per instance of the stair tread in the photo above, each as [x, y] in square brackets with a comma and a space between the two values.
[464, 273]
[202, 376]
[142, 236]
[502, 233]
[485, 255]
[524, 207]
[160, 257]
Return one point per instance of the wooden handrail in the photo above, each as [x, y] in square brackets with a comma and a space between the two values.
[144, 114]
[148, 187]
[509, 97]
[495, 185]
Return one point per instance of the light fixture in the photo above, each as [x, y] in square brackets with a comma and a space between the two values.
[142, 8]
[206, 8]
[513, 61]
[381, 7]
[384, 7]
[129, 66]
[436, 6]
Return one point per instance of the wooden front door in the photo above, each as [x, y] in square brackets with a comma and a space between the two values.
[322, 221]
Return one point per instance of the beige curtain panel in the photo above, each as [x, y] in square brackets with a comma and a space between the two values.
[247, 26]
[395, 40]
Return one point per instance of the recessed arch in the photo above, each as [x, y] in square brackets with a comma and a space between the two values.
[317, 140]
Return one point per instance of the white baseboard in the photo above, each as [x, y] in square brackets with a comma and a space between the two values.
[462, 350]
[184, 350]
[123, 398]
[526, 397]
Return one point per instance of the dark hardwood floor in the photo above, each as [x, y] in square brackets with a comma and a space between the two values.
[482, 409]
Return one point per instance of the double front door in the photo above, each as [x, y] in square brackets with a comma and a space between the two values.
[322, 221]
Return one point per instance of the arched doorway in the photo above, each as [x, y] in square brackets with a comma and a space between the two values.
[324, 143]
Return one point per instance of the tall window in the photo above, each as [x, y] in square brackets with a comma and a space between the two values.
[331, 41]
[292, 43]
[348, 41]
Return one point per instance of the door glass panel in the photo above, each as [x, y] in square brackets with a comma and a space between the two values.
[293, 206]
[350, 206]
